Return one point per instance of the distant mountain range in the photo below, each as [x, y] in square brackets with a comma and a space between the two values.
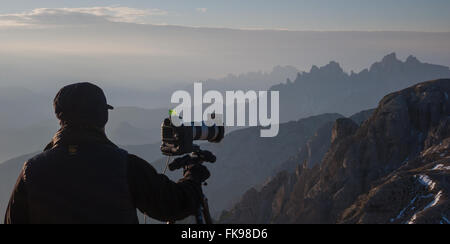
[28, 122]
[21, 107]
[252, 81]
[394, 168]
[329, 89]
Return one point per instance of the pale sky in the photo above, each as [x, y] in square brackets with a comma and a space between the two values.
[321, 15]
[138, 50]
[149, 44]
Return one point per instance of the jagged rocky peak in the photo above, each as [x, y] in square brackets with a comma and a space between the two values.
[389, 62]
[314, 69]
[343, 128]
[390, 58]
[332, 68]
[412, 60]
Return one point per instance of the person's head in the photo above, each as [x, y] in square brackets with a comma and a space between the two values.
[82, 104]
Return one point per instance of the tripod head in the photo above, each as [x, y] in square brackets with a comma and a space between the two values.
[198, 156]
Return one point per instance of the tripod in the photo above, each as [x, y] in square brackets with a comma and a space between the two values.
[198, 156]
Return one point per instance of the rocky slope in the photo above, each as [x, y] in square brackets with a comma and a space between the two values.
[245, 159]
[392, 169]
[416, 193]
[313, 152]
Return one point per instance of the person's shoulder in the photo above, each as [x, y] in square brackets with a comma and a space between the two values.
[38, 160]
[39, 157]
[135, 159]
[139, 165]
[43, 156]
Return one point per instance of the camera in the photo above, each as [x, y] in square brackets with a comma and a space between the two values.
[179, 140]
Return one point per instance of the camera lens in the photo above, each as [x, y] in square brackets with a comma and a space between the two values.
[208, 133]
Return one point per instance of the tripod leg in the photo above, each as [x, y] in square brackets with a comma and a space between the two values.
[199, 216]
[206, 213]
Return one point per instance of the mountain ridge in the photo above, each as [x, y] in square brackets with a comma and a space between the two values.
[362, 176]
[330, 89]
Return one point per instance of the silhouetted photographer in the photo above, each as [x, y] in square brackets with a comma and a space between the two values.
[84, 178]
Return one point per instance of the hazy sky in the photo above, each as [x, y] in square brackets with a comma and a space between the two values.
[151, 44]
[407, 15]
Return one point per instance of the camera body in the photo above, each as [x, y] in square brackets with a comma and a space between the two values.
[179, 140]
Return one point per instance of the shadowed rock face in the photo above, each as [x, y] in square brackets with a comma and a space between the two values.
[362, 116]
[364, 172]
[317, 146]
[244, 159]
[313, 152]
[343, 128]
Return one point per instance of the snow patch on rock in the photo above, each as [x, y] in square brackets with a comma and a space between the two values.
[430, 205]
[441, 167]
[426, 181]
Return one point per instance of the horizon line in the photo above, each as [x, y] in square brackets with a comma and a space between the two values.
[262, 29]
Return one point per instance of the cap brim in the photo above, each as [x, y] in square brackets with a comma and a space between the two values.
[109, 107]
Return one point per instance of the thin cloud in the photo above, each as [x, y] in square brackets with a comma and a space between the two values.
[93, 15]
